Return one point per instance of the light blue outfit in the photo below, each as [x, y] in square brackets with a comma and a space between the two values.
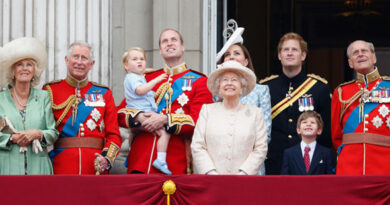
[261, 98]
[145, 102]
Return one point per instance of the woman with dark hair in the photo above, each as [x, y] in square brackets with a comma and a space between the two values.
[259, 97]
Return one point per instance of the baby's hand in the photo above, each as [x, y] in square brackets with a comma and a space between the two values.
[162, 77]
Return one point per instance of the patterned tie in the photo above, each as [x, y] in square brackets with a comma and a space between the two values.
[306, 158]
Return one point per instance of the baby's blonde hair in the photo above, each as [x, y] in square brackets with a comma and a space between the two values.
[126, 55]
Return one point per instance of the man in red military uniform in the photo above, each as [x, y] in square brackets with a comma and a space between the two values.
[361, 116]
[85, 116]
[179, 100]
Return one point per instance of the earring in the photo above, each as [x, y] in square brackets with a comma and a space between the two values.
[32, 80]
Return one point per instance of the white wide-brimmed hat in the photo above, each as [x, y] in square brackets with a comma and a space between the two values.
[24, 48]
[235, 67]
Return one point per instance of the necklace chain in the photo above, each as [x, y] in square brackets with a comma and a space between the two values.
[17, 99]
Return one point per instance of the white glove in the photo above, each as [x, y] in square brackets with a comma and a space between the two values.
[23, 149]
[36, 146]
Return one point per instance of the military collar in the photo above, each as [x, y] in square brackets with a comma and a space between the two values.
[368, 78]
[176, 69]
[76, 83]
[300, 77]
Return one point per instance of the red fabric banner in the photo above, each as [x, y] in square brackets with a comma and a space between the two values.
[194, 189]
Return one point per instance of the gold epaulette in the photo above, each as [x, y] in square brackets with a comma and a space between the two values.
[52, 82]
[317, 77]
[346, 83]
[386, 78]
[268, 79]
[197, 72]
[99, 85]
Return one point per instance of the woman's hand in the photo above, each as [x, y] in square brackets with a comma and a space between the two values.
[25, 137]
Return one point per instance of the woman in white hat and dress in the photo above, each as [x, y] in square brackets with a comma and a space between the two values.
[28, 125]
[229, 137]
[260, 97]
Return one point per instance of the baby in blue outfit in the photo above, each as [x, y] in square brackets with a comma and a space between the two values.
[139, 95]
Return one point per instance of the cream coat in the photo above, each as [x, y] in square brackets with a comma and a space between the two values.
[229, 141]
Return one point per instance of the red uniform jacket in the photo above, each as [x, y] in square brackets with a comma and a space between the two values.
[189, 94]
[100, 122]
[373, 118]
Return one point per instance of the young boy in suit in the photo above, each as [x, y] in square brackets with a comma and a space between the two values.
[308, 157]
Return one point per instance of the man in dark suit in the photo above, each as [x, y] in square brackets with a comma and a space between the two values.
[308, 157]
[293, 92]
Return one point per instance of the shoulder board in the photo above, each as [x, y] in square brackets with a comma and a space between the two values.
[202, 74]
[268, 79]
[317, 77]
[346, 83]
[53, 82]
[386, 78]
[99, 85]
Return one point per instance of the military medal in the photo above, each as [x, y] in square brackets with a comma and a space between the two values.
[95, 114]
[94, 100]
[91, 124]
[384, 110]
[179, 111]
[311, 104]
[300, 102]
[187, 85]
[377, 121]
[182, 99]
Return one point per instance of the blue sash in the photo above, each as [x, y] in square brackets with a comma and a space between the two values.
[177, 88]
[353, 120]
[83, 112]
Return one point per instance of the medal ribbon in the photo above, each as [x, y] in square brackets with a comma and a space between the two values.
[302, 89]
[177, 88]
[83, 112]
[353, 119]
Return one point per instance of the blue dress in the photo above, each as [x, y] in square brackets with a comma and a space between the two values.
[261, 98]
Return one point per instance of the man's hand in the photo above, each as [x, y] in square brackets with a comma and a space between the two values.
[154, 121]
[102, 163]
[141, 117]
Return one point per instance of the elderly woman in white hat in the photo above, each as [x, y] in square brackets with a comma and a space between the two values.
[28, 124]
[229, 137]
[234, 49]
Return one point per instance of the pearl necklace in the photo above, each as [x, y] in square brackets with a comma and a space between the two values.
[17, 99]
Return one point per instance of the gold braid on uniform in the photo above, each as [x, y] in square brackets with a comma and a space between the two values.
[67, 104]
[347, 103]
[160, 92]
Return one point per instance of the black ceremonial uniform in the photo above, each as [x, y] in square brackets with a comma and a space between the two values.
[289, 98]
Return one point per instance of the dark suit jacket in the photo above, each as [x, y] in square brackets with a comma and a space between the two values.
[322, 161]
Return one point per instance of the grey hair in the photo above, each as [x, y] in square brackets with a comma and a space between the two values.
[10, 75]
[83, 44]
[370, 45]
[216, 85]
